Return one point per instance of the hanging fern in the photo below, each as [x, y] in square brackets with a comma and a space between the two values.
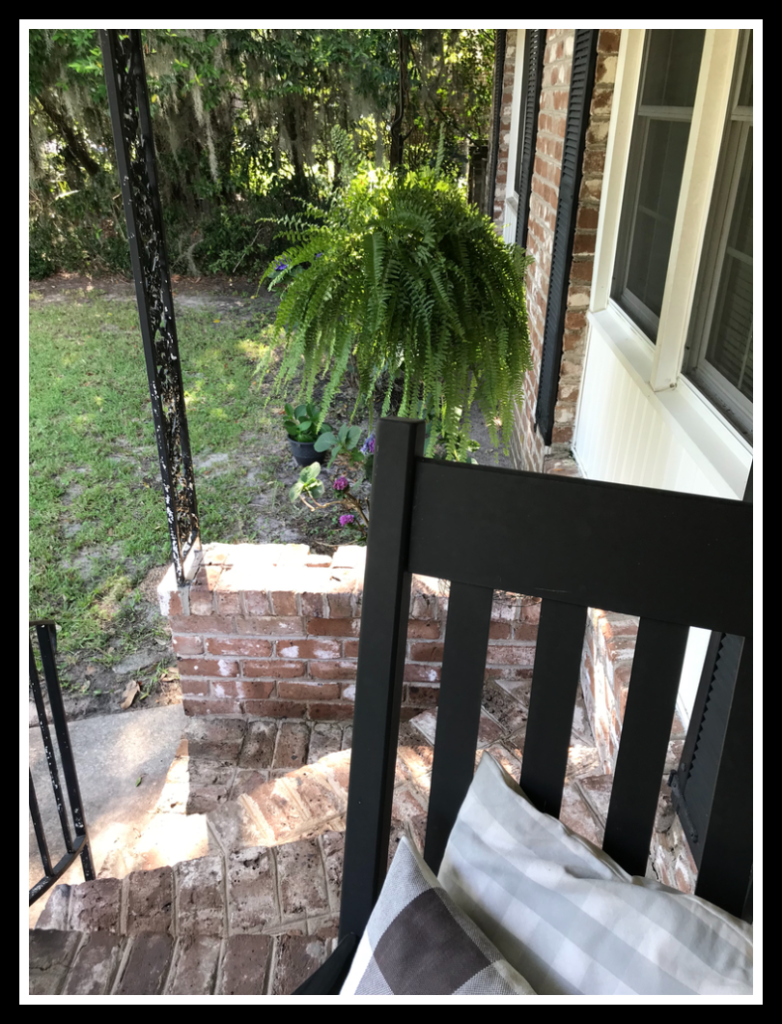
[403, 274]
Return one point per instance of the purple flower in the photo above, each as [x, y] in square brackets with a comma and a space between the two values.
[341, 483]
[318, 255]
[344, 520]
[368, 448]
[281, 266]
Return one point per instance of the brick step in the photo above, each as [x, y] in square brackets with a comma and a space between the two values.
[155, 963]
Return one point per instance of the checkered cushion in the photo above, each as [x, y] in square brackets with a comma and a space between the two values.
[417, 942]
[566, 916]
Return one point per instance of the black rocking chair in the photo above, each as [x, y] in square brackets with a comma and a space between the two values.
[676, 560]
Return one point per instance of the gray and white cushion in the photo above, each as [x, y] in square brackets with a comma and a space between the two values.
[567, 917]
[418, 942]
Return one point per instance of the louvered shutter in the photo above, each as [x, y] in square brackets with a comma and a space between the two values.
[534, 47]
[581, 84]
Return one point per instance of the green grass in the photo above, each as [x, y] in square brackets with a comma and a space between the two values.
[96, 501]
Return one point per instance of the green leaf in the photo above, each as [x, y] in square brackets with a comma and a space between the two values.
[295, 491]
[353, 435]
[289, 410]
[310, 473]
[305, 425]
[324, 442]
[343, 433]
[317, 490]
[300, 412]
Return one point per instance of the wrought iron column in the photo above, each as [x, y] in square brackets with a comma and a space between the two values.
[123, 63]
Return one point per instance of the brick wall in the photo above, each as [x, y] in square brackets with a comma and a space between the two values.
[501, 182]
[271, 630]
[527, 446]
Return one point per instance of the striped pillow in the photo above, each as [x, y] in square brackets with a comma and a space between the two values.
[568, 918]
[417, 942]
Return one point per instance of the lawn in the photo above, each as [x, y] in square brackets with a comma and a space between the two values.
[97, 516]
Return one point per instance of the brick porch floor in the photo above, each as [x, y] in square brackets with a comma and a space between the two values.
[234, 886]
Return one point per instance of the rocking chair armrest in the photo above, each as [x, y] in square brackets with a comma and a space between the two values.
[330, 976]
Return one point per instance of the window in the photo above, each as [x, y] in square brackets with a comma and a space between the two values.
[718, 357]
[669, 80]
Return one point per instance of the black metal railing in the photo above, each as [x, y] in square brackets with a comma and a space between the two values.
[126, 84]
[77, 844]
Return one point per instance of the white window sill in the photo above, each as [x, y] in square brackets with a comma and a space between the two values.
[721, 452]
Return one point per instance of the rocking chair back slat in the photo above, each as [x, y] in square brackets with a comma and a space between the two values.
[646, 731]
[725, 873]
[558, 652]
[381, 657]
[459, 712]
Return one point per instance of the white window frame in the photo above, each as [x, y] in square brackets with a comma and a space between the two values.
[700, 425]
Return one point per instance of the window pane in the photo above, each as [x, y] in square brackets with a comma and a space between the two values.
[729, 348]
[666, 148]
[673, 63]
[658, 149]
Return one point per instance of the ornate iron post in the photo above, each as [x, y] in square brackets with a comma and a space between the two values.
[123, 63]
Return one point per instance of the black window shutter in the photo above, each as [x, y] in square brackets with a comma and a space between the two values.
[534, 47]
[581, 83]
[693, 786]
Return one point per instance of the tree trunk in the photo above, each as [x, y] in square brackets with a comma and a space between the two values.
[397, 140]
[77, 146]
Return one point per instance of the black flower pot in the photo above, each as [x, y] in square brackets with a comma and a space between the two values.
[304, 452]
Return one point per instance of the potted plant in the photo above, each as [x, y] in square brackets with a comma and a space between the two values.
[408, 281]
[304, 426]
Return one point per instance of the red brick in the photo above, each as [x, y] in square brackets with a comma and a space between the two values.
[309, 649]
[562, 433]
[211, 707]
[274, 708]
[202, 624]
[308, 691]
[510, 655]
[188, 645]
[333, 627]
[581, 270]
[175, 604]
[575, 321]
[284, 602]
[311, 604]
[208, 667]
[228, 603]
[256, 602]
[561, 98]
[274, 669]
[200, 686]
[584, 242]
[201, 602]
[239, 645]
[601, 100]
[333, 669]
[245, 689]
[422, 673]
[499, 631]
[340, 606]
[608, 40]
[272, 625]
[418, 629]
[525, 631]
[530, 612]
[331, 710]
[594, 161]
[424, 696]
[426, 652]
[350, 649]
[587, 218]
